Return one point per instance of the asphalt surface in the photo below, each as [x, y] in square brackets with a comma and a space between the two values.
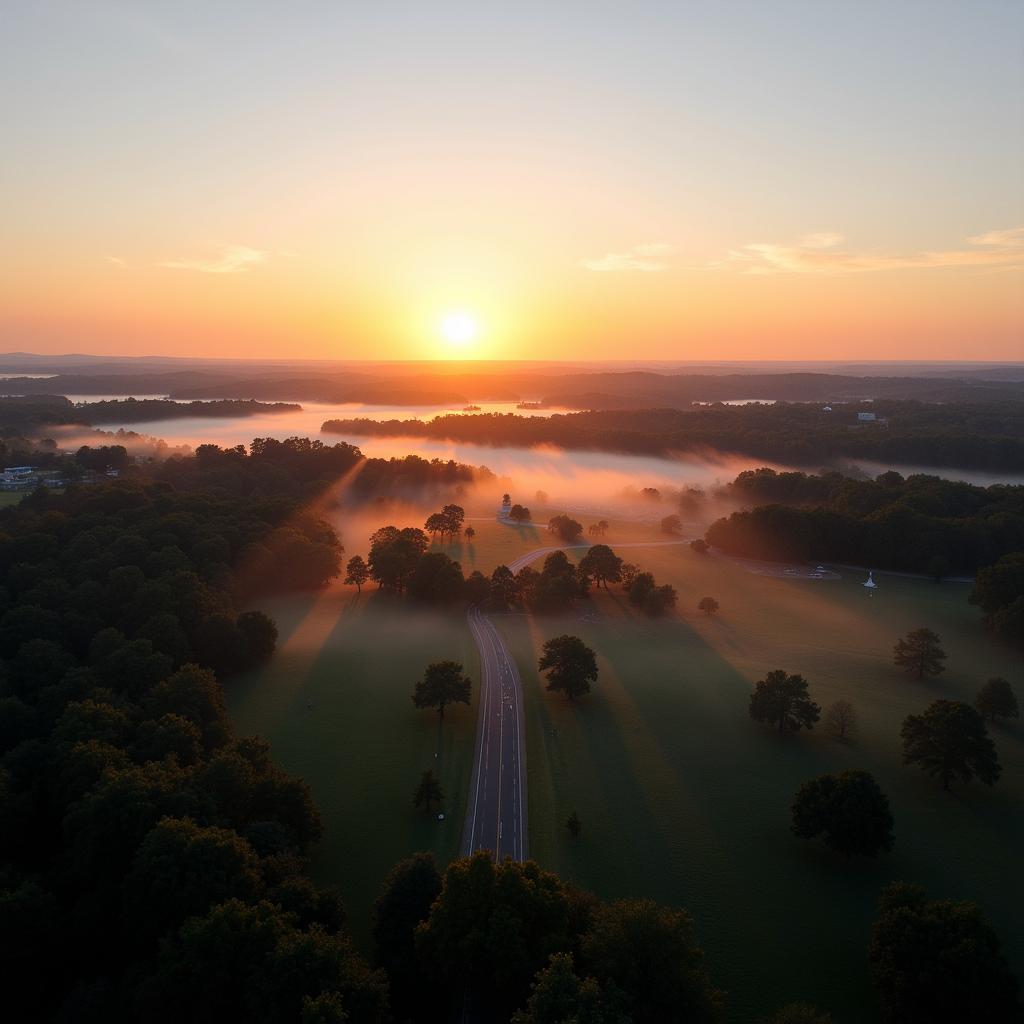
[496, 816]
[496, 813]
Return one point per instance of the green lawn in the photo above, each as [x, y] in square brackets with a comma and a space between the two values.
[682, 797]
[685, 799]
[362, 744]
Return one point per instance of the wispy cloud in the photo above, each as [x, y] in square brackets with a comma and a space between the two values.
[233, 259]
[822, 253]
[116, 261]
[646, 258]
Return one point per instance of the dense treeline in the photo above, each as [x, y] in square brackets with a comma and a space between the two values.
[135, 826]
[989, 436]
[302, 468]
[916, 524]
[30, 410]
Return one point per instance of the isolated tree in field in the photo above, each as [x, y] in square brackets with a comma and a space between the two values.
[428, 791]
[470, 533]
[519, 514]
[949, 742]
[574, 825]
[849, 809]
[672, 525]
[602, 565]
[996, 699]
[782, 700]
[357, 572]
[938, 962]
[442, 684]
[570, 665]
[565, 527]
[919, 653]
[699, 545]
[708, 605]
[841, 720]
[650, 493]
[541, 497]
[436, 579]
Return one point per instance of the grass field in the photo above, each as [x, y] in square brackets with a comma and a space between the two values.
[362, 745]
[685, 799]
[682, 797]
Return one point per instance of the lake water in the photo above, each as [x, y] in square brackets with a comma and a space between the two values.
[548, 465]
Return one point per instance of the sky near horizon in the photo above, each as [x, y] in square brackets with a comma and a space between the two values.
[733, 180]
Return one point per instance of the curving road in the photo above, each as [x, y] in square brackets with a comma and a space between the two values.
[496, 813]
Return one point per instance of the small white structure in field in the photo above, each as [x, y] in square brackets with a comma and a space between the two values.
[506, 507]
[870, 581]
[866, 417]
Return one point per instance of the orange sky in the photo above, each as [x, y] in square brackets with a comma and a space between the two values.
[591, 183]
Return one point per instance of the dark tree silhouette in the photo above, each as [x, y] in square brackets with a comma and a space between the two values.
[849, 809]
[565, 527]
[708, 605]
[574, 825]
[919, 653]
[949, 742]
[357, 572]
[602, 565]
[996, 699]
[442, 684]
[841, 720]
[938, 962]
[699, 545]
[428, 791]
[672, 525]
[469, 534]
[782, 700]
[570, 665]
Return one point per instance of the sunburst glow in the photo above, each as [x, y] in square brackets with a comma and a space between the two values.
[459, 328]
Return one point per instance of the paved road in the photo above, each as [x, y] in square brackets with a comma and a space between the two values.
[496, 813]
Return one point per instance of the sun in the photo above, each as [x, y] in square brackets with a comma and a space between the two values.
[459, 329]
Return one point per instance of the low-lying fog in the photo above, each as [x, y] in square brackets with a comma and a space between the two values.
[577, 475]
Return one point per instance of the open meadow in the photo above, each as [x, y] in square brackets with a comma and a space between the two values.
[682, 797]
[335, 704]
[685, 799]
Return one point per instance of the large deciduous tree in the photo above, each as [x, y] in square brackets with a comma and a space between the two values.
[565, 527]
[949, 742]
[602, 565]
[442, 684]
[849, 809]
[782, 700]
[920, 653]
[570, 665]
[357, 572]
[996, 699]
[938, 962]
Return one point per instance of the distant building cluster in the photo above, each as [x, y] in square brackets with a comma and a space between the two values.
[27, 478]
